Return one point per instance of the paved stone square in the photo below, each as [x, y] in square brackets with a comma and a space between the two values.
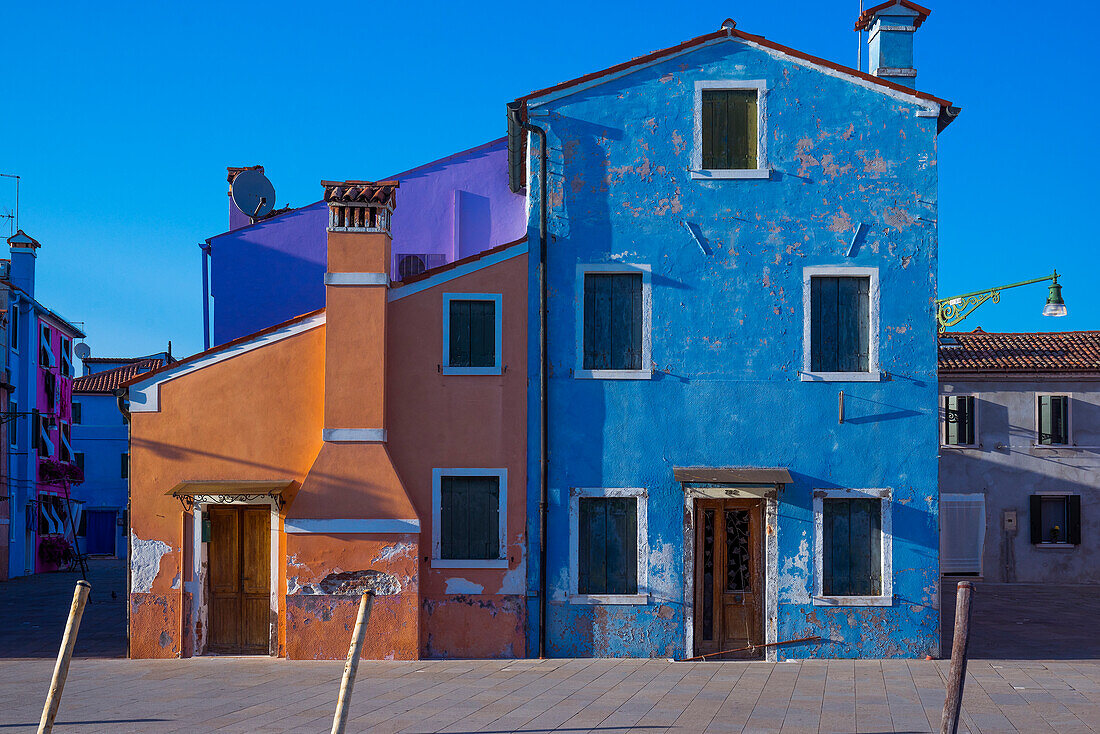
[1048, 681]
[601, 695]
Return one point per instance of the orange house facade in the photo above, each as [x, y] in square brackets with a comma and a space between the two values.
[377, 444]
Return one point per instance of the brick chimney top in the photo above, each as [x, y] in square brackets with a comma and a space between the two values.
[360, 206]
[232, 171]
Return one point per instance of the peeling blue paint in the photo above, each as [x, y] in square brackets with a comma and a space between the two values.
[727, 337]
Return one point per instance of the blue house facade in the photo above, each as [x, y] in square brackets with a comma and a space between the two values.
[101, 444]
[741, 353]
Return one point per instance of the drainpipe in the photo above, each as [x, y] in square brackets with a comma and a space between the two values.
[544, 440]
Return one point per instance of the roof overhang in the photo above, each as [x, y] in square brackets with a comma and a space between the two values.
[192, 492]
[731, 476]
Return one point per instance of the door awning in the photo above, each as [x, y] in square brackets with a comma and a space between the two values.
[218, 490]
[731, 475]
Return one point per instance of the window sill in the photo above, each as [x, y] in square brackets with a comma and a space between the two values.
[1055, 546]
[716, 173]
[621, 599]
[1052, 446]
[469, 563]
[613, 374]
[853, 601]
[471, 370]
[875, 376]
[961, 446]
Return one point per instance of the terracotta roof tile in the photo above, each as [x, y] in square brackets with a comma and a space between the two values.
[364, 192]
[864, 21]
[1020, 352]
[107, 381]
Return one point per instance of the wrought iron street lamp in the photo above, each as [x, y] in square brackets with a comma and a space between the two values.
[950, 311]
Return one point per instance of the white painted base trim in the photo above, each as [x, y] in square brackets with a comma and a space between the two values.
[622, 599]
[354, 435]
[732, 173]
[840, 376]
[853, 601]
[469, 563]
[613, 374]
[357, 279]
[351, 525]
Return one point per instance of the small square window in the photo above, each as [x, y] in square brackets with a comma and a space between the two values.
[958, 420]
[1055, 519]
[1053, 420]
[612, 321]
[76, 411]
[472, 337]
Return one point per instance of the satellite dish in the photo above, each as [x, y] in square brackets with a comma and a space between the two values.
[82, 350]
[252, 193]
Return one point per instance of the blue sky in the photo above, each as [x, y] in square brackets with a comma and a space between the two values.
[121, 119]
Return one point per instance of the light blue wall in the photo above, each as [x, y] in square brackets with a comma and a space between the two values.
[727, 337]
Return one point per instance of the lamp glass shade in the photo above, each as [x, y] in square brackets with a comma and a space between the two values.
[1055, 305]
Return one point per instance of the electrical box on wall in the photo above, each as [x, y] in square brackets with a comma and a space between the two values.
[1010, 519]
[205, 528]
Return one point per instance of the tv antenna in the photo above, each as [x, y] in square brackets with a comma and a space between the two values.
[13, 219]
[252, 193]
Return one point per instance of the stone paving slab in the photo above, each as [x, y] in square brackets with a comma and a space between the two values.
[228, 694]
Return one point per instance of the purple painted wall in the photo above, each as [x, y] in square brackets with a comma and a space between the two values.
[273, 270]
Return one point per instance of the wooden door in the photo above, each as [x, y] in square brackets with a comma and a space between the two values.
[240, 580]
[729, 578]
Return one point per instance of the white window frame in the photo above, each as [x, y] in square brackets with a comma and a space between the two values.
[45, 337]
[646, 372]
[66, 357]
[642, 497]
[437, 511]
[498, 315]
[64, 443]
[762, 169]
[943, 421]
[886, 547]
[839, 271]
[1069, 422]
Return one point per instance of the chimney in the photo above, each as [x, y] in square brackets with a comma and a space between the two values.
[355, 305]
[890, 27]
[23, 257]
[237, 218]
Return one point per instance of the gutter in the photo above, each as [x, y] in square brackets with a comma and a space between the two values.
[518, 119]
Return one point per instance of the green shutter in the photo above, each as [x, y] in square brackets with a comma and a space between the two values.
[607, 545]
[1073, 519]
[1059, 411]
[460, 334]
[852, 545]
[840, 324]
[612, 321]
[729, 121]
[469, 517]
[1035, 507]
[482, 333]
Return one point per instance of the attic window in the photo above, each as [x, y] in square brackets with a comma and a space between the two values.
[729, 130]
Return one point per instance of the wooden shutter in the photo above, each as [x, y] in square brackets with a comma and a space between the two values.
[1073, 519]
[612, 321]
[483, 342]
[460, 334]
[470, 518]
[1036, 511]
[729, 121]
[852, 547]
[607, 545]
[839, 324]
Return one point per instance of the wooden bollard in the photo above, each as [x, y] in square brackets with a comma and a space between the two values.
[340, 720]
[952, 705]
[61, 668]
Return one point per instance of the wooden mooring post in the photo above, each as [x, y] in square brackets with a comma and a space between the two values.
[952, 705]
[64, 655]
[340, 720]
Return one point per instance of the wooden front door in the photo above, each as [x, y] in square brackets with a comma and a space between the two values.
[240, 579]
[729, 578]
